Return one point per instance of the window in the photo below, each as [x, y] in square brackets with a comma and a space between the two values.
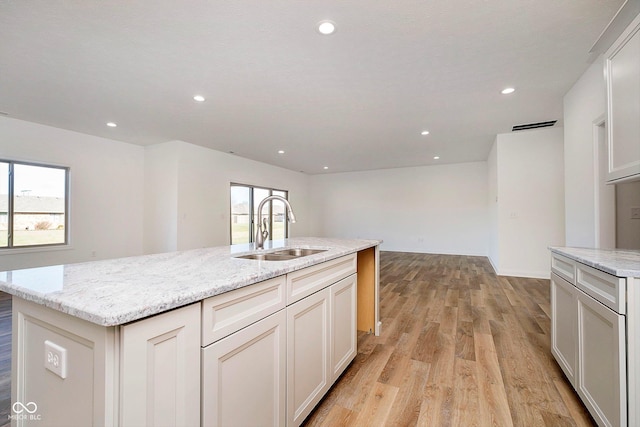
[244, 213]
[33, 204]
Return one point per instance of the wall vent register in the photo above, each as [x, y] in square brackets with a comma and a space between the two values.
[533, 125]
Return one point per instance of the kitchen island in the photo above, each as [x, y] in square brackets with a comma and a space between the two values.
[595, 329]
[189, 338]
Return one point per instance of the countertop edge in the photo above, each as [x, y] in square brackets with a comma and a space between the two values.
[53, 301]
[612, 261]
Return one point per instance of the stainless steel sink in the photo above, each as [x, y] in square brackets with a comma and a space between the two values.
[299, 252]
[282, 255]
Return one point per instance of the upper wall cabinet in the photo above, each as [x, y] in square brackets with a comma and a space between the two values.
[622, 71]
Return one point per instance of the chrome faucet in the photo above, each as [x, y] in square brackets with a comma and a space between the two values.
[261, 235]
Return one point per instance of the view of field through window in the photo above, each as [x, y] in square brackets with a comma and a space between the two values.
[245, 199]
[37, 212]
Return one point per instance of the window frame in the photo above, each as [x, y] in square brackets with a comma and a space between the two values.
[252, 229]
[10, 205]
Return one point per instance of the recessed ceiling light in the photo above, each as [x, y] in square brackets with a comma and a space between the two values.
[507, 91]
[111, 124]
[326, 27]
[424, 132]
[280, 151]
[436, 157]
[198, 98]
[326, 167]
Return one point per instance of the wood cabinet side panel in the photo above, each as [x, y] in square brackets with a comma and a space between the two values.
[92, 365]
[367, 290]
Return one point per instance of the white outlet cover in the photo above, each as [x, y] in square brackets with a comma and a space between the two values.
[55, 359]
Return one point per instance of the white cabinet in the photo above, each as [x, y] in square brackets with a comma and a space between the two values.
[308, 371]
[266, 365]
[343, 325]
[564, 325]
[622, 70]
[321, 342]
[601, 381]
[243, 376]
[160, 369]
[589, 337]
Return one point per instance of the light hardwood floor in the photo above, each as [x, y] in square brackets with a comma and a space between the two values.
[459, 347]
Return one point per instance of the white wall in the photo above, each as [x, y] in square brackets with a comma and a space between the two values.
[106, 192]
[627, 229]
[431, 209]
[492, 207]
[583, 105]
[201, 195]
[530, 198]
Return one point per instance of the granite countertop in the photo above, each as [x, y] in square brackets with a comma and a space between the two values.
[117, 291]
[619, 262]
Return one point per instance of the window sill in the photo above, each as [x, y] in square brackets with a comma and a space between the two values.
[34, 249]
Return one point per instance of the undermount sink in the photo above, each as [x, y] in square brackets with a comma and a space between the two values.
[282, 255]
[298, 252]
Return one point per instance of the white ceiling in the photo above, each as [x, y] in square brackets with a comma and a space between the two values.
[355, 100]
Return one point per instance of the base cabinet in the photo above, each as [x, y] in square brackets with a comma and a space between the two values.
[343, 327]
[564, 325]
[160, 369]
[308, 373]
[589, 337]
[243, 376]
[321, 342]
[602, 374]
[243, 358]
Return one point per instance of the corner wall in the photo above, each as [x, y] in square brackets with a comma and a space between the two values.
[526, 201]
[106, 192]
[583, 105]
[188, 195]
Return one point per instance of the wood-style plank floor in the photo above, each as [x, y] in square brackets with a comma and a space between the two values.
[460, 346]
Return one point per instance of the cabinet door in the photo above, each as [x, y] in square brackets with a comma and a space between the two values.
[564, 329]
[308, 364]
[623, 93]
[343, 330]
[243, 376]
[160, 369]
[601, 362]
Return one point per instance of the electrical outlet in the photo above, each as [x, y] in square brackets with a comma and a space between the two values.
[55, 359]
[635, 213]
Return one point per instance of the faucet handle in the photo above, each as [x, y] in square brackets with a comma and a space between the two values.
[265, 230]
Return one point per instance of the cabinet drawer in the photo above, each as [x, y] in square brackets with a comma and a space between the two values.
[607, 289]
[563, 267]
[227, 313]
[303, 283]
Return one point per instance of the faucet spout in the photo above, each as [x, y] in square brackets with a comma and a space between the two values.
[261, 235]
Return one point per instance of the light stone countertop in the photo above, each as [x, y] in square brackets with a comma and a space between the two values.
[117, 291]
[619, 262]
